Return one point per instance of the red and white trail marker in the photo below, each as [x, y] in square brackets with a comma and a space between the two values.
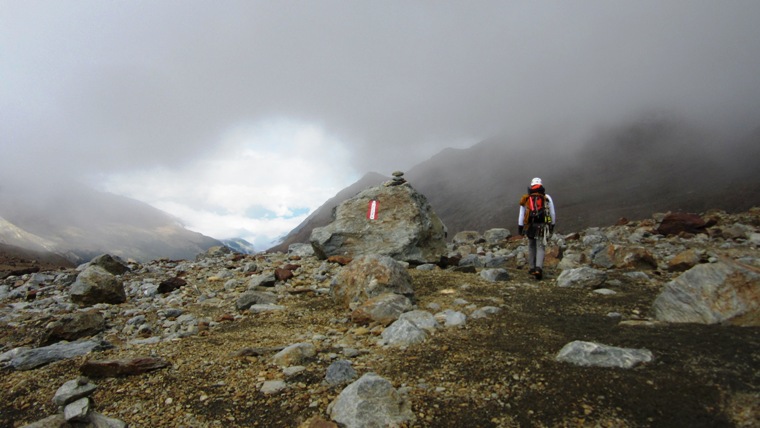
[372, 210]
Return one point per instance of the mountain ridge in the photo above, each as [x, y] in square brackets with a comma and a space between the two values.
[77, 223]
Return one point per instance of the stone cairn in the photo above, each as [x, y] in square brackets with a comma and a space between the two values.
[397, 180]
[73, 399]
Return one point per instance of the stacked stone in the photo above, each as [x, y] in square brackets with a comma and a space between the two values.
[73, 398]
[397, 180]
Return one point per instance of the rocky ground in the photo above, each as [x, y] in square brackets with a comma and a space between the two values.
[498, 371]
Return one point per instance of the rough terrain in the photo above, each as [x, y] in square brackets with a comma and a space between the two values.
[498, 371]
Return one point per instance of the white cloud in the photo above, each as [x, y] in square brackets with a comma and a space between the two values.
[259, 182]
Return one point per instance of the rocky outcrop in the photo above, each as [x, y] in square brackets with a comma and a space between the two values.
[401, 225]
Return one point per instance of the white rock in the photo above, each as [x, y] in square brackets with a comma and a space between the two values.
[273, 386]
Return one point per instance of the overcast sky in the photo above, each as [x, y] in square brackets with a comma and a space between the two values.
[241, 117]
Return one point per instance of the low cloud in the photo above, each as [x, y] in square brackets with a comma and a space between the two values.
[245, 188]
[214, 108]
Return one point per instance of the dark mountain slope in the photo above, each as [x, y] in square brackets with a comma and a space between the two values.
[654, 166]
[630, 171]
[475, 188]
[81, 223]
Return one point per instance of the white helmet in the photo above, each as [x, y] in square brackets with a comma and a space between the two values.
[535, 181]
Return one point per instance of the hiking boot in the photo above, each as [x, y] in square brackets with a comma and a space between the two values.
[538, 273]
[532, 271]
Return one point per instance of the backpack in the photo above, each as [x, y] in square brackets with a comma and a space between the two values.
[536, 211]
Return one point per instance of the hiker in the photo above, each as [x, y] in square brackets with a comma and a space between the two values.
[536, 221]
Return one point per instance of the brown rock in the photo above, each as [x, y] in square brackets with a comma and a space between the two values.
[677, 223]
[171, 284]
[283, 274]
[341, 260]
[370, 276]
[634, 258]
[116, 368]
[552, 256]
[684, 261]
[226, 317]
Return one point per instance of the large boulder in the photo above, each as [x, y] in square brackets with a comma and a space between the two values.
[371, 401]
[403, 226]
[712, 293]
[370, 276]
[96, 285]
